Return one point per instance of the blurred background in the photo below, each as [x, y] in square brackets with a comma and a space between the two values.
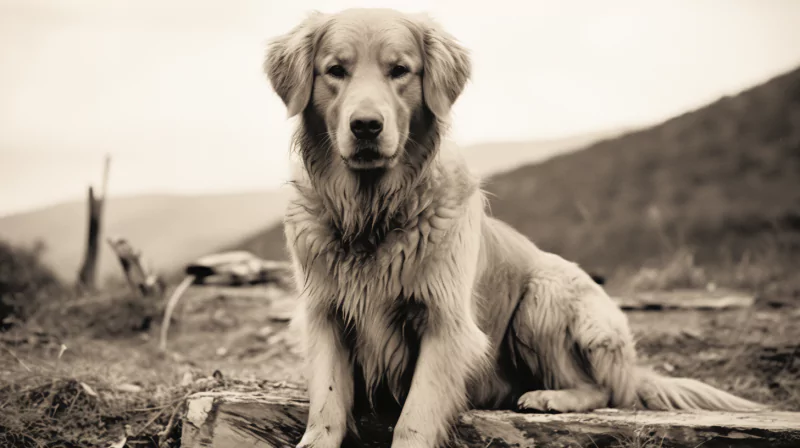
[655, 143]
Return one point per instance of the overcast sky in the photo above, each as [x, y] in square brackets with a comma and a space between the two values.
[174, 89]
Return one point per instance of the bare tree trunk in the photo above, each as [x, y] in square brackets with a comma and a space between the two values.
[87, 277]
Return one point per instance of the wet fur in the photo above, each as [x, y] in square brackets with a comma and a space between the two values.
[418, 304]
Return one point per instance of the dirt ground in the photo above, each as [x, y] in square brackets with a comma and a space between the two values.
[103, 390]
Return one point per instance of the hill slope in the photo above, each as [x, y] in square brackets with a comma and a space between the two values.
[169, 229]
[722, 182]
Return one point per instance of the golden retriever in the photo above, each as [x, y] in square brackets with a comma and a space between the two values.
[414, 300]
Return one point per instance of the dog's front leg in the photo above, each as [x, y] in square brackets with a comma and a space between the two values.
[330, 385]
[448, 357]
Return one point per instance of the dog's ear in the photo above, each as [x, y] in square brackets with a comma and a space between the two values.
[290, 63]
[447, 67]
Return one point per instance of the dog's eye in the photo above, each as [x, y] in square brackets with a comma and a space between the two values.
[337, 71]
[398, 71]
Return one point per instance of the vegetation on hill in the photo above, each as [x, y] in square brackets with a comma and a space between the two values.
[721, 184]
[713, 194]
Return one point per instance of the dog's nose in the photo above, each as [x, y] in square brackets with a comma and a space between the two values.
[366, 127]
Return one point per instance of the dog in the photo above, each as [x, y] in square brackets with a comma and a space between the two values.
[414, 301]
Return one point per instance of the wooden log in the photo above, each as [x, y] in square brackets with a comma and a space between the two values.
[237, 268]
[276, 418]
[688, 299]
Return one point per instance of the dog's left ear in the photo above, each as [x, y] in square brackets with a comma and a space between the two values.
[447, 68]
[290, 63]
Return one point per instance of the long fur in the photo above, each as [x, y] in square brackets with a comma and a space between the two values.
[662, 393]
[414, 300]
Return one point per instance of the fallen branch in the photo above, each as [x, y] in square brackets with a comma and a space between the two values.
[171, 304]
[13, 355]
[140, 280]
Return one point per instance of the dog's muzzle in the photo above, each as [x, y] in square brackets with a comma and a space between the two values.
[368, 156]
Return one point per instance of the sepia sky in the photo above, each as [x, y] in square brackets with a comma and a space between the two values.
[174, 89]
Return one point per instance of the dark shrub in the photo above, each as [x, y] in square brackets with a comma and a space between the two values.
[25, 282]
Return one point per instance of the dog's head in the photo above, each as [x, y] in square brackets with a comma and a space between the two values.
[368, 80]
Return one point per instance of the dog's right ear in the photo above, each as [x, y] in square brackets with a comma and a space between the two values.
[290, 63]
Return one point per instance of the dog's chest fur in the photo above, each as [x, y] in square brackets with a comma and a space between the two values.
[381, 286]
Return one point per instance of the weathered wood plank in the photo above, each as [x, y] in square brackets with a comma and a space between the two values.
[277, 419]
[686, 299]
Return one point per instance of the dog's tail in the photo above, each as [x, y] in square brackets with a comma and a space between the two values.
[663, 393]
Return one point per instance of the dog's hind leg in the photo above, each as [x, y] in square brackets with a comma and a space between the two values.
[576, 344]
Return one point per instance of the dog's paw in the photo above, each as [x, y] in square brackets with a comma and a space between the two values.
[411, 440]
[546, 401]
[321, 439]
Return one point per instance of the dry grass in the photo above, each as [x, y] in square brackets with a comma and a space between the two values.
[751, 352]
[767, 274]
[679, 271]
[81, 391]
[643, 437]
[110, 382]
[80, 399]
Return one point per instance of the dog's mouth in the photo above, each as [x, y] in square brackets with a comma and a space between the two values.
[369, 158]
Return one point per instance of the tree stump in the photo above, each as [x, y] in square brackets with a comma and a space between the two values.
[87, 275]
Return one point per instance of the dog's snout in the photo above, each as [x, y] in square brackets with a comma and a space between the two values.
[366, 126]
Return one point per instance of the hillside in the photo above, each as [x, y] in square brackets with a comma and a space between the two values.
[722, 182]
[169, 229]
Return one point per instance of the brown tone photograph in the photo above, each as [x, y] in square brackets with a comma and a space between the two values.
[411, 224]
